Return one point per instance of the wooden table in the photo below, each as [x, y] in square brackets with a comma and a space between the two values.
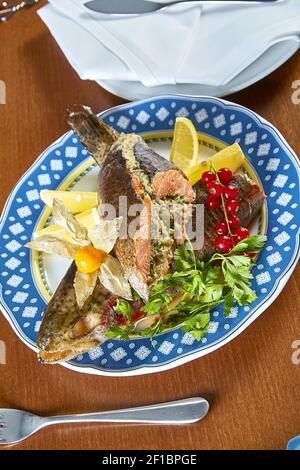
[251, 383]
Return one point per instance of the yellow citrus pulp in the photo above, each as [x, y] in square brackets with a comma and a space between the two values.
[185, 146]
[75, 201]
[231, 157]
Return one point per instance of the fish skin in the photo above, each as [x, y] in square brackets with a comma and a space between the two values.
[115, 180]
[250, 198]
[150, 162]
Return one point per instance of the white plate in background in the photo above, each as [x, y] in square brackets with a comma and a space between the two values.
[273, 58]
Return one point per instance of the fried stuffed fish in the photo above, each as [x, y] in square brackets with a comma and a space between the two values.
[130, 168]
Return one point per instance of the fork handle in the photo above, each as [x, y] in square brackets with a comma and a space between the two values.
[184, 411]
[7, 12]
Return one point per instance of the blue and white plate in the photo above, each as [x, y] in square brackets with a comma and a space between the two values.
[27, 280]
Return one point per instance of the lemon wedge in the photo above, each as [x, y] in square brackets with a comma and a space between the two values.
[185, 146]
[231, 157]
[75, 201]
[89, 219]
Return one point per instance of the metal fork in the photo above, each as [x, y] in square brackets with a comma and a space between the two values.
[138, 7]
[6, 10]
[17, 425]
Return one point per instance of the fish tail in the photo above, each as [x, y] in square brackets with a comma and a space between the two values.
[93, 133]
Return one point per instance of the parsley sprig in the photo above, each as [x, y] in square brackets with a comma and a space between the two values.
[124, 308]
[186, 295]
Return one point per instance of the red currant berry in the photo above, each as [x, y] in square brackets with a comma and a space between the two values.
[223, 244]
[231, 207]
[214, 188]
[213, 202]
[240, 233]
[233, 221]
[208, 176]
[225, 175]
[230, 192]
[221, 228]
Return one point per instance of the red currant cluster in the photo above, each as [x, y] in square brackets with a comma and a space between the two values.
[222, 193]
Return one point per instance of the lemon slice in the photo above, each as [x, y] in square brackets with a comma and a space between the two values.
[75, 201]
[231, 157]
[185, 146]
[89, 219]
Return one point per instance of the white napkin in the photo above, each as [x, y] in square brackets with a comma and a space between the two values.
[183, 43]
[143, 46]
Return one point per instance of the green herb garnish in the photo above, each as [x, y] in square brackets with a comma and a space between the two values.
[152, 331]
[186, 296]
[120, 333]
[123, 307]
[201, 286]
[136, 296]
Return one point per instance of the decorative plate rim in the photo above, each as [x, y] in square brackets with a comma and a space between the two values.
[241, 326]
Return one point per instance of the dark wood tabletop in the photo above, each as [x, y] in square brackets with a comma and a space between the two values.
[251, 383]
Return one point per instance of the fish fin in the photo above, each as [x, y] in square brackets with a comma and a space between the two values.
[93, 133]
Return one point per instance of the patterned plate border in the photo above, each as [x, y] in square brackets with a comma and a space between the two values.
[267, 151]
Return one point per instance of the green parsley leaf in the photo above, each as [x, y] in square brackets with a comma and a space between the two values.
[228, 304]
[252, 244]
[123, 307]
[212, 293]
[120, 333]
[237, 275]
[136, 296]
[197, 325]
[183, 259]
[152, 330]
